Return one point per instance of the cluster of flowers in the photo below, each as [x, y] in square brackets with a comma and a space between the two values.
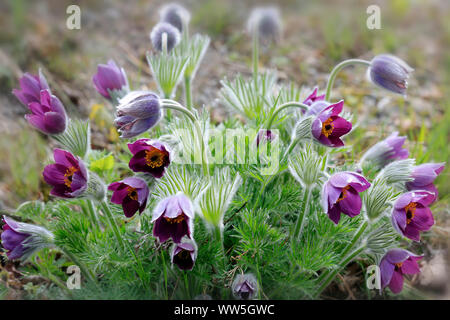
[138, 111]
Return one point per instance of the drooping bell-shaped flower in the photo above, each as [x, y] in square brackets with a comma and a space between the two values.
[266, 21]
[173, 218]
[172, 36]
[340, 194]
[110, 80]
[265, 136]
[386, 151]
[390, 73]
[149, 157]
[245, 287]
[47, 115]
[137, 112]
[21, 240]
[175, 14]
[30, 88]
[184, 254]
[395, 264]
[132, 193]
[424, 176]
[411, 214]
[68, 175]
[328, 126]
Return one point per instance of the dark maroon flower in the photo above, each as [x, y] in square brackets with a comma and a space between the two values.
[340, 194]
[424, 176]
[47, 115]
[109, 78]
[173, 218]
[149, 157]
[30, 88]
[184, 255]
[245, 287]
[137, 112]
[313, 97]
[394, 265]
[23, 239]
[390, 73]
[68, 175]
[132, 193]
[411, 214]
[265, 136]
[328, 126]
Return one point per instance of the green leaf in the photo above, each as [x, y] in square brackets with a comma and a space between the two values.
[102, 164]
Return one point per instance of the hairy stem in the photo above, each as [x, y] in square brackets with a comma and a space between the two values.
[113, 224]
[188, 92]
[165, 274]
[338, 68]
[86, 271]
[303, 213]
[282, 107]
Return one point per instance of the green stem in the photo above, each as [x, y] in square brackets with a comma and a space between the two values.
[92, 213]
[258, 274]
[333, 274]
[113, 224]
[255, 56]
[165, 274]
[338, 68]
[169, 104]
[186, 285]
[284, 106]
[188, 92]
[303, 213]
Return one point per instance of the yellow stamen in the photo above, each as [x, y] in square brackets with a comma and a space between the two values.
[327, 127]
[132, 194]
[154, 158]
[68, 176]
[410, 210]
[175, 220]
[343, 194]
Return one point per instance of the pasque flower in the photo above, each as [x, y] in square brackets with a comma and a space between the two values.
[184, 254]
[175, 14]
[137, 112]
[390, 73]
[267, 22]
[109, 79]
[411, 214]
[149, 156]
[328, 126]
[265, 136]
[394, 265]
[68, 175]
[173, 218]
[424, 176]
[132, 193]
[30, 88]
[23, 239]
[47, 115]
[387, 150]
[172, 36]
[245, 287]
[313, 97]
[340, 194]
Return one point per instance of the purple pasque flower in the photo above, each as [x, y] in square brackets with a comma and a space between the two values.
[328, 126]
[175, 14]
[30, 88]
[386, 151]
[395, 264]
[184, 254]
[137, 112]
[132, 193]
[173, 218]
[149, 156]
[267, 22]
[424, 176]
[411, 214]
[109, 78]
[68, 175]
[245, 287]
[340, 194]
[265, 136]
[313, 97]
[22, 239]
[47, 115]
[390, 73]
[172, 36]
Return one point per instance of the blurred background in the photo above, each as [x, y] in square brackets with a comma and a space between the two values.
[317, 35]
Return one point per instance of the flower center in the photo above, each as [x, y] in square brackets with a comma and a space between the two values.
[343, 194]
[132, 194]
[327, 127]
[410, 209]
[68, 176]
[398, 266]
[175, 220]
[183, 255]
[154, 158]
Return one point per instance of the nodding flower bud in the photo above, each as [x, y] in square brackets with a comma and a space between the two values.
[184, 254]
[137, 112]
[245, 287]
[390, 73]
[30, 88]
[175, 14]
[172, 36]
[21, 240]
[266, 21]
[132, 193]
[110, 80]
